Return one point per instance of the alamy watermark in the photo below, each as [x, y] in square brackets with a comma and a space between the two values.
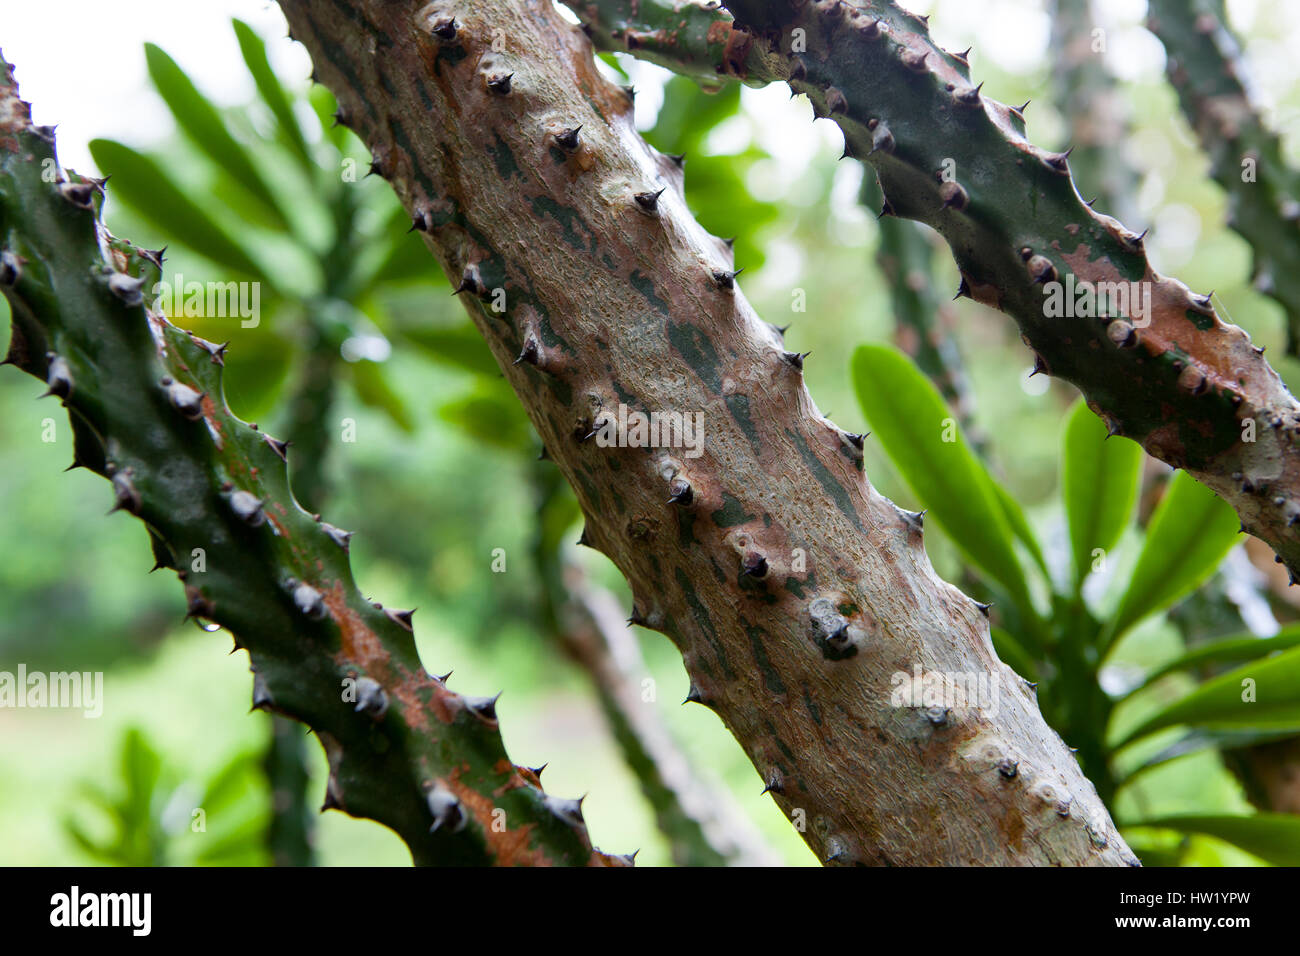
[632, 429]
[946, 690]
[1119, 300]
[61, 689]
[211, 300]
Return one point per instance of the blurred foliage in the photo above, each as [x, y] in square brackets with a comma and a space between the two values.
[159, 818]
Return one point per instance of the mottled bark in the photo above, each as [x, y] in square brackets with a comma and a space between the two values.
[793, 590]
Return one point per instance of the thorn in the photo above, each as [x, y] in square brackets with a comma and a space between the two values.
[184, 399]
[795, 358]
[568, 139]
[886, 209]
[679, 159]
[444, 28]
[402, 619]
[857, 440]
[10, 268]
[1058, 161]
[420, 220]
[340, 537]
[309, 601]
[680, 492]
[630, 93]
[281, 448]
[79, 194]
[340, 118]
[529, 353]
[693, 696]
[248, 508]
[499, 83]
[649, 201]
[754, 565]
[583, 539]
[637, 617]
[1039, 365]
[971, 95]
[963, 290]
[725, 279]
[484, 707]
[984, 608]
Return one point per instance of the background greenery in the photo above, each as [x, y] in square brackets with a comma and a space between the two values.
[429, 499]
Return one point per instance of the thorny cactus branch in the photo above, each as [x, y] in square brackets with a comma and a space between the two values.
[794, 591]
[1090, 100]
[147, 412]
[1170, 374]
[1205, 67]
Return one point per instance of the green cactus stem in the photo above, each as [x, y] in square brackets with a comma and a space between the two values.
[1205, 67]
[1190, 388]
[146, 406]
[1091, 102]
[794, 591]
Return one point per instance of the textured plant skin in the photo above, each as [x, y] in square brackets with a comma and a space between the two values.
[1183, 385]
[1205, 67]
[614, 294]
[145, 402]
[1090, 101]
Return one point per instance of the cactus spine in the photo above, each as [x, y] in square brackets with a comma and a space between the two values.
[794, 591]
[147, 412]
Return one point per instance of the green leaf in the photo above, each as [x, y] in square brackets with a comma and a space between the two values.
[1274, 837]
[1099, 483]
[1012, 654]
[1244, 647]
[1015, 516]
[272, 93]
[459, 346]
[202, 124]
[1218, 703]
[1189, 534]
[142, 184]
[907, 414]
[373, 388]
[489, 414]
[1195, 741]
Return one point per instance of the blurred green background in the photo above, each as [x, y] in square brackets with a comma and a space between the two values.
[430, 500]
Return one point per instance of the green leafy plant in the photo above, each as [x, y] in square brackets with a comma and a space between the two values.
[1058, 630]
[158, 816]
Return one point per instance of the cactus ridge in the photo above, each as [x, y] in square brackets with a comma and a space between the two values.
[147, 411]
[1178, 380]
